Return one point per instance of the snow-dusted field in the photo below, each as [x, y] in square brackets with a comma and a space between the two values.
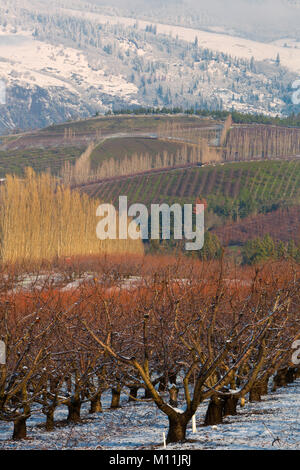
[272, 424]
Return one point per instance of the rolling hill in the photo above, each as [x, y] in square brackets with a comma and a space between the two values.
[52, 146]
[245, 199]
[264, 182]
[243, 196]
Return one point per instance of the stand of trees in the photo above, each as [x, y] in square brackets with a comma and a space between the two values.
[180, 341]
[259, 250]
[293, 120]
[41, 219]
[257, 142]
[80, 173]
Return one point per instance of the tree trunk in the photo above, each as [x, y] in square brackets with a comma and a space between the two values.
[291, 375]
[265, 386]
[214, 413]
[230, 404]
[173, 378]
[96, 405]
[20, 429]
[50, 419]
[280, 379]
[173, 391]
[162, 384]
[115, 399]
[255, 393]
[74, 411]
[133, 392]
[177, 430]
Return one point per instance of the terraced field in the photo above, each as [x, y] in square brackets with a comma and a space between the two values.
[82, 132]
[40, 159]
[262, 182]
[52, 146]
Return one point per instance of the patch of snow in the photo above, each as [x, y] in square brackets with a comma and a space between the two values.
[28, 61]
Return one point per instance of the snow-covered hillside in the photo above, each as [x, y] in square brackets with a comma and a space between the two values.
[47, 83]
[45, 65]
[288, 49]
[63, 63]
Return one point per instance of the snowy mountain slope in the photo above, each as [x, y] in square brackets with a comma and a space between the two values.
[235, 46]
[263, 20]
[60, 64]
[40, 63]
[52, 83]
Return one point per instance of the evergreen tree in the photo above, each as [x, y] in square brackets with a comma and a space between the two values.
[212, 247]
[281, 250]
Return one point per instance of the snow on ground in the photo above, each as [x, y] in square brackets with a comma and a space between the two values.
[235, 46]
[30, 282]
[23, 59]
[272, 424]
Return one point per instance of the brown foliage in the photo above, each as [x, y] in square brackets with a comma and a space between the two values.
[42, 219]
[283, 224]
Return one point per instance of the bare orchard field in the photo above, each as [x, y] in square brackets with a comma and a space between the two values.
[112, 352]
